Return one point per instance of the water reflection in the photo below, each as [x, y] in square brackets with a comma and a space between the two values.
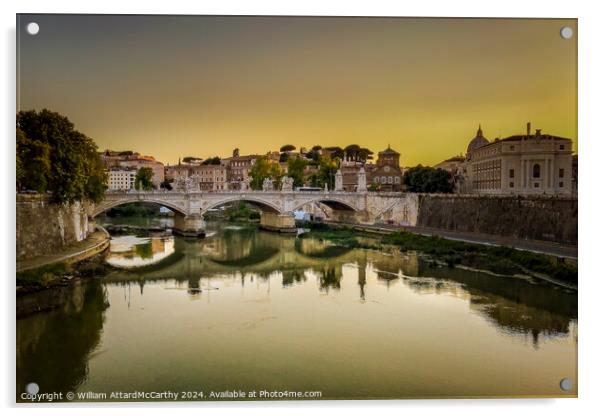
[53, 349]
[306, 303]
[131, 251]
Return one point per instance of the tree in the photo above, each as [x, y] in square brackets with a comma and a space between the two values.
[259, 171]
[428, 180]
[32, 163]
[287, 148]
[326, 172]
[212, 161]
[352, 151]
[265, 168]
[296, 170]
[143, 179]
[192, 159]
[364, 154]
[166, 184]
[335, 152]
[53, 156]
[283, 157]
[314, 154]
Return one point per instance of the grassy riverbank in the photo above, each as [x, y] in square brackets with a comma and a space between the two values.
[61, 273]
[498, 259]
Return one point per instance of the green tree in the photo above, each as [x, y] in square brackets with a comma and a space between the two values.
[276, 173]
[326, 172]
[265, 168]
[352, 151]
[296, 170]
[287, 148]
[55, 157]
[32, 163]
[428, 180]
[144, 179]
[259, 171]
[212, 161]
[192, 159]
[335, 152]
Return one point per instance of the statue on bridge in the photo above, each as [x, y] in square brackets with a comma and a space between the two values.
[338, 181]
[361, 180]
[244, 185]
[187, 184]
[287, 184]
[268, 185]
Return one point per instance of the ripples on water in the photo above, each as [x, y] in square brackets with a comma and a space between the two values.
[253, 310]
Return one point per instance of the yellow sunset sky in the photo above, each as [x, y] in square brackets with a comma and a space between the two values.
[175, 86]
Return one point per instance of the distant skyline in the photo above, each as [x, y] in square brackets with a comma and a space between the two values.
[176, 86]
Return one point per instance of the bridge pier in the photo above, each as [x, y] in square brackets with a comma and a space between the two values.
[282, 223]
[189, 225]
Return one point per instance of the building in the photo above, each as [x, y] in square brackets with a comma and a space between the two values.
[520, 164]
[179, 171]
[387, 175]
[456, 166]
[239, 168]
[211, 177]
[121, 179]
[452, 165]
[138, 162]
[133, 160]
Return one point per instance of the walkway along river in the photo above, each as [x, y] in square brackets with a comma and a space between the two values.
[251, 310]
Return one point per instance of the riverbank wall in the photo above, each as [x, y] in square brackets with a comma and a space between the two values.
[45, 228]
[534, 218]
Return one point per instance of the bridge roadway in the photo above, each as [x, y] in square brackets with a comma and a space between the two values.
[277, 207]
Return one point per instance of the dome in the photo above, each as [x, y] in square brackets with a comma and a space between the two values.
[478, 141]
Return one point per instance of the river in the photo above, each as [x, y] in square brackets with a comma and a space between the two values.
[251, 310]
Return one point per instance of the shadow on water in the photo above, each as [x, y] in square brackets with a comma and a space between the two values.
[53, 348]
[514, 305]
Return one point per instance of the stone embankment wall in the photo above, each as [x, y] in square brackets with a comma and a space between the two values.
[538, 218]
[44, 227]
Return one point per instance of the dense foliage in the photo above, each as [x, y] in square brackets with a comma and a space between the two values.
[212, 161]
[428, 180]
[296, 170]
[144, 179]
[54, 157]
[262, 169]
[192, 159]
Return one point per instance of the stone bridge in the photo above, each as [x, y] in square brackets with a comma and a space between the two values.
[276, 207]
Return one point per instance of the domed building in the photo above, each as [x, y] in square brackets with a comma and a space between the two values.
[478, 141]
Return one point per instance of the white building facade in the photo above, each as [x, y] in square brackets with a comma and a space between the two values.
[121, 179]
[521, 164]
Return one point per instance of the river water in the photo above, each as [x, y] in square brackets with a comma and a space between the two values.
[251, 310]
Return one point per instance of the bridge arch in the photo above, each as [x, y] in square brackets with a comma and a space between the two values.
[107, 205]
[260, 203]
[331, 202]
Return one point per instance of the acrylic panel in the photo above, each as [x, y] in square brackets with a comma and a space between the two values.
[295, 208]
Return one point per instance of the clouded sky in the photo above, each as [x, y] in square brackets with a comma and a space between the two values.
[175, 86]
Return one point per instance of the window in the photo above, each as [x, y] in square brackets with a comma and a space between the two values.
[390, 179]
[376, 179]
[511, 147]
[536, 185]
[536, 170]
[561, 173]
[383, 179]
[561, 184]
[397, 179]
[511, 184]
[511, 173]
[561, 147]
